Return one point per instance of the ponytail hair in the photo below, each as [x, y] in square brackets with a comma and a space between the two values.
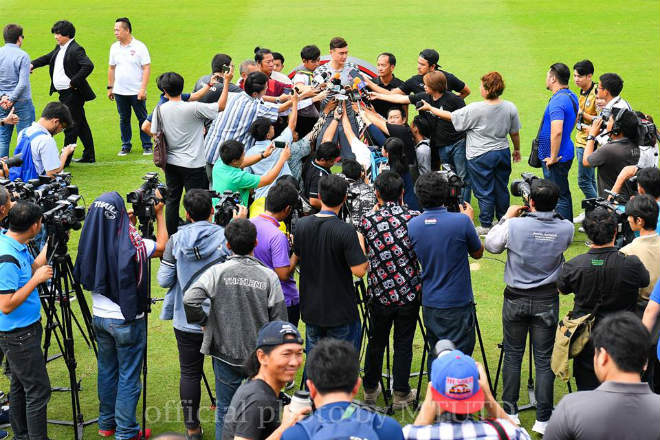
[252, 365]
[395, 156]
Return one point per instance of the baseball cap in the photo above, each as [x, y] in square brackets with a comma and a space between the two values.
[430, 55]
[278, 333]
[455, 383]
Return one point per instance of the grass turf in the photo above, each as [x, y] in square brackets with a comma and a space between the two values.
[519, 39]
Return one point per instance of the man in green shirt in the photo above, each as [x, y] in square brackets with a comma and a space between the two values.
[228, 174]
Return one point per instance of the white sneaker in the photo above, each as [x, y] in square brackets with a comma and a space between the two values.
[581, 229]
[539, 427]
[515, 418]
[579, 218]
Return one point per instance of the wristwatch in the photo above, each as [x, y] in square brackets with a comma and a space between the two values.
[591, 138]
[277, 101]
[262, 155]
[109, 87]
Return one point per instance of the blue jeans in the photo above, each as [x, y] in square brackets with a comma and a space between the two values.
[454, 155]
[539, 318]
[124, 105]
[489, 174]
[227, 380]
[25, 112]
[558, 173]
[455, 323]
[121, 347]
[347, 332]
[586, 177]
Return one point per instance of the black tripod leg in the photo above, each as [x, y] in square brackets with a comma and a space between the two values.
[422, 364]
[146, 346]
[481, 345]
[499, 368]
[208, 390]
[84, 309]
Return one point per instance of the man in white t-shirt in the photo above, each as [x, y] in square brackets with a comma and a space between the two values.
[183, 125]
[128, 75]
[46, 159]
[112, 263]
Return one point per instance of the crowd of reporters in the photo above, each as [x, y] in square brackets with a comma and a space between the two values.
[267, 147]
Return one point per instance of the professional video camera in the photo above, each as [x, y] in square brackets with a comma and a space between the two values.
[144, 198]
[454, 198]
[226, 206]
[523, 187]
[624, 234]
[50, 191]
[14, 161]
[19, 190]
[66, 215]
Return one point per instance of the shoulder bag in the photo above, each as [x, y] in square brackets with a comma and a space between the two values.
[160, 144]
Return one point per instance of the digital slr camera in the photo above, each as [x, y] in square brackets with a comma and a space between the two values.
[144, 198]
[226, 206]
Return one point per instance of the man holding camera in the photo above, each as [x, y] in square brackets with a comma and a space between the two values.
[182, 124]
[583, 72]
[535, 239]
[39, 149]
[20, 322]
[621, 150]
[112, 263]
[608, 97]
[604, 281]
[442, 241]
[394, 288]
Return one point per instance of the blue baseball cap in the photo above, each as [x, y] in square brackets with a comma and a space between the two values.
[278, 333]
[455, 383]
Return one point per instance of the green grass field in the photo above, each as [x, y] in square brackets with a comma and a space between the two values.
[520, 39]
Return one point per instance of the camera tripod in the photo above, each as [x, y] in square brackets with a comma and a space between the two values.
[60, 323]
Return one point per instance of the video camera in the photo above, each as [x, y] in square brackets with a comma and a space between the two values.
[65, 215]
[624, 234]
[49, 192]
[454, 197]
[523, 187]
[144, 198]
[14, 161]
[226, 206]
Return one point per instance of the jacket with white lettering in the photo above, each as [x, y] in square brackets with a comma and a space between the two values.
[245, 295]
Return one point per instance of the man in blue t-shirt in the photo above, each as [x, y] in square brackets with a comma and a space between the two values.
[555, 145]
[333, 379]
[20, 321]
[442, 241]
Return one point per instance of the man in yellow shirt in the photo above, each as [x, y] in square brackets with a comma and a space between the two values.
[582, 75]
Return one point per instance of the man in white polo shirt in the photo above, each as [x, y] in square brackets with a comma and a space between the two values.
[128, 76]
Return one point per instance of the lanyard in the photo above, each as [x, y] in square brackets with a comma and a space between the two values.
[270, 219]
[327, 212]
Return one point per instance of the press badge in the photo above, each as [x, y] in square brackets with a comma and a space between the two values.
[430, 221]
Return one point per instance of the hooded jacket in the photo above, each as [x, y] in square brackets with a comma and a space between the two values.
[107, 261]
[194, 248]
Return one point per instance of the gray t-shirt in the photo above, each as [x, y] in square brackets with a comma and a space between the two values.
[486, 126]
[183, 125]
[613, 410]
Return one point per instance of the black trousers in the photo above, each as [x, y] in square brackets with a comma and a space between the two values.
[29, 384]
[80, 128]
[191, 363]
[404, 319]
[293, 313]
[177, 178]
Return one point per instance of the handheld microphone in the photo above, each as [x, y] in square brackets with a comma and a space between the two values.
[336, 79]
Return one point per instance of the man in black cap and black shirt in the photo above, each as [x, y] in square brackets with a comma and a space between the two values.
[426, 62]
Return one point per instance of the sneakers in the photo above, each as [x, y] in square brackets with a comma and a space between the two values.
[106, 432]
[581, 229]
[123, 152]
[147, 151]
[579, 218]
[515, 418]
[482, 231]
[140, 435]
[370, 396]
[402, 400]
[539, 427]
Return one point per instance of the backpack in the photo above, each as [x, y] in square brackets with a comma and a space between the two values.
[27, 171]
[348, 427]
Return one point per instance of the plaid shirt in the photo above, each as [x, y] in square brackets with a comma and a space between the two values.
[467, 430]
[394, 276]
[234, 123]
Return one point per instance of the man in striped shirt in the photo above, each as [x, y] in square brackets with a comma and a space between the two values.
[241, 111]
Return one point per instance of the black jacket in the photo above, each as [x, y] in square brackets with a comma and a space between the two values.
[77, 67]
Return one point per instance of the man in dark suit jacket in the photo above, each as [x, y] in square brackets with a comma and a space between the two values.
[69, 68]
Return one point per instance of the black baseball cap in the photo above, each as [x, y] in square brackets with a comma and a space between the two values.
[278, 333]
[430, 55]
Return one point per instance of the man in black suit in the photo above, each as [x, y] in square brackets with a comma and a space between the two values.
[69, 68]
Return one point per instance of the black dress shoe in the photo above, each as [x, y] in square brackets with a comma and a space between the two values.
[84, 160]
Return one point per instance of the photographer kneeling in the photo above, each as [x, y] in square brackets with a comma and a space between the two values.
[20, 322]
[112, 263]
[535, 245]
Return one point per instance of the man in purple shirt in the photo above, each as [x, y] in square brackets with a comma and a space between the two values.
[273, 246]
